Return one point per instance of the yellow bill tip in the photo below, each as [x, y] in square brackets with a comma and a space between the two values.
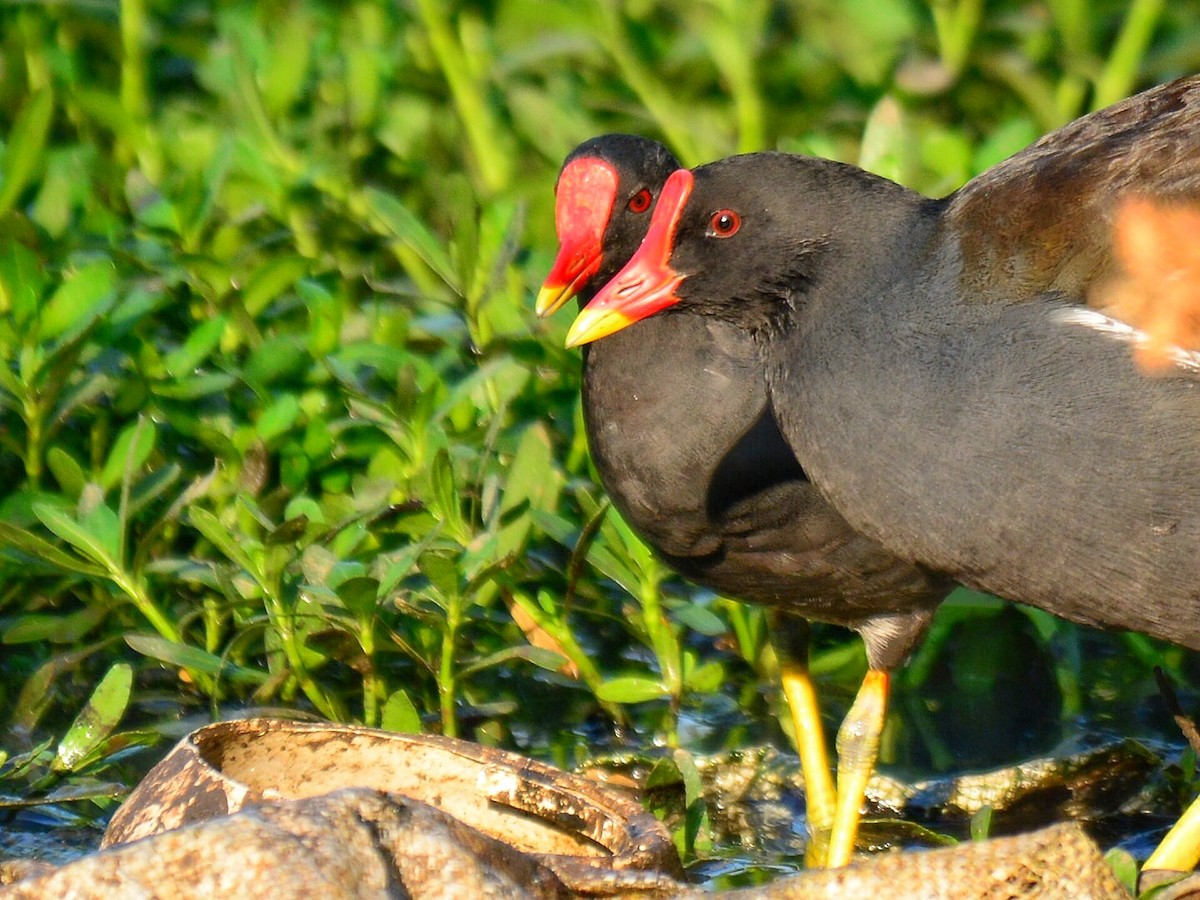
[551, 298]
[593, 324]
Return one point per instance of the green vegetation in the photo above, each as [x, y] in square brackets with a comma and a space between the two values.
[278, 426]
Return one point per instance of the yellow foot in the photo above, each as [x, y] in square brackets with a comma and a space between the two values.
[858, 750]
[1180, 849]
[789, 635]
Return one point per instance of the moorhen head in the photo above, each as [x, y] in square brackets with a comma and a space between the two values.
[935, 367]
[605, 192]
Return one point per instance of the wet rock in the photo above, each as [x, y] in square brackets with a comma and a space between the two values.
[354, 843]
[597, 841]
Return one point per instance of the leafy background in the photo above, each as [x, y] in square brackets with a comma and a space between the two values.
[278, 425]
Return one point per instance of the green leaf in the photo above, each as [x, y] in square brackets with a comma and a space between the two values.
[102, 521]
[698, 829]
[26, 143]
[400, 715]
[97, 719]
[1125, 867]
[66, 471]
[60, 629]
[700, 619]
[284, 358]
[149, 205]
[706, 678]
[533, 479]
[222, 538]
[194, 388]
[361, 595]
[887, 147]
[184, 361]
[278, 418]
[294, 38]
[192, 658]
[149, 488]
[539, 656]
[599, 555]
[445, 501]
[84, 295]
[95, 546]
[132, 448]
[40, 548]
[442, 571]
[325, 313]
[272, 279]
[981, 823]
[1003, 141]
[72, 792]
[664, 774]
[287, 532]
[21, 764]
[22, 281]
[632, 689]
[396, 219]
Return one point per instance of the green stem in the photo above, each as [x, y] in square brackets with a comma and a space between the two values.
[734, 59]
[133, 62]
[747, 629]
[371, 684]
[666, 649]
[32, 27]
[137, 593]
[1069, 97]
[956, 22]
[1117, 78]
[135, 93]
[141, 599]
[32, 414]
[653, 94]
[447, 682]
[1074, 28]
[560, 630]
[1035, 93]
[283, 621]
[473, 110]
[1072, 19]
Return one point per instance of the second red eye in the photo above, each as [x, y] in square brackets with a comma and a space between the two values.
[640, 202]
[724, 223]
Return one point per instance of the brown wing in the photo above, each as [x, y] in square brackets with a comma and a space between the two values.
[1042, 220]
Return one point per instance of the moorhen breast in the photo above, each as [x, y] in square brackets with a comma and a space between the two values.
[686, 445]
[938, 373]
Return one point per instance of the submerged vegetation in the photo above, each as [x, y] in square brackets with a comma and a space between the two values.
[278, 426]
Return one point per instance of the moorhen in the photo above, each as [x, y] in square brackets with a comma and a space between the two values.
[687, 447]
[935, 367]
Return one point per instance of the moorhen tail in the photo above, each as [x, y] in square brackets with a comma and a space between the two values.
[937, 370]
[686, 444]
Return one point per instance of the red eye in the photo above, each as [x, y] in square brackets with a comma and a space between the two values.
[724, 223]
[640, 202]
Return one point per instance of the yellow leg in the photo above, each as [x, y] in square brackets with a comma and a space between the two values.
[789, 636]
[810, 744]
[857, 749]
[1180, 849]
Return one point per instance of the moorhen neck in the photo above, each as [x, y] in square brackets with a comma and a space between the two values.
[935, 367]
[686, 444]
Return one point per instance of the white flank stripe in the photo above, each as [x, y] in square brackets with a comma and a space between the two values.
[1187, 360]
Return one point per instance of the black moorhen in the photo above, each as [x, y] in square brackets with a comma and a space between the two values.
[687, 447]
[936, 370]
